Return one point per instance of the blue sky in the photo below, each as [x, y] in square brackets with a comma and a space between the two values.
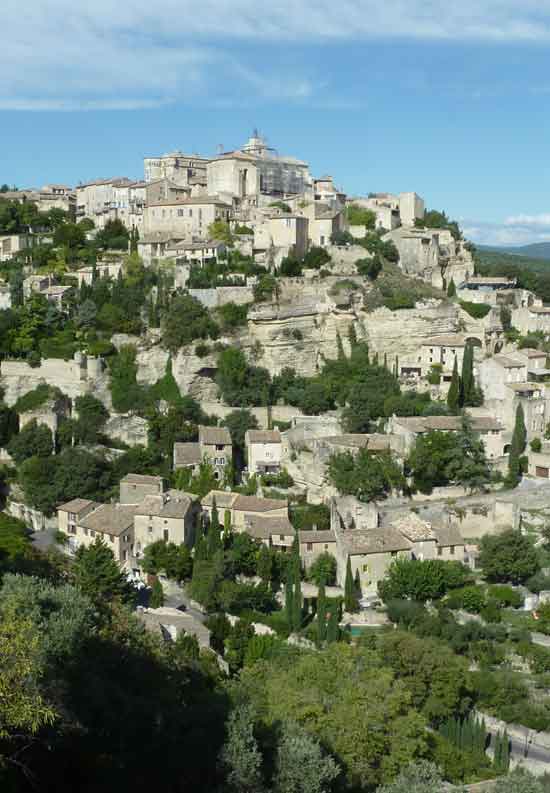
[384, 95]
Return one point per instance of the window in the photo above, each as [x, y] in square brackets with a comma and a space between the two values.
[150, 529]
[92, 533]
[365, 568]
[72, 529]
[219, 447]
[282, 537]
[165, 534]
[309, 546]
[180, 213]
[86, 532]
[440, 551]
[190, 213]
[124, 555]
[394, 553]
[111, 537]
[72, 517]
[452, 550]
[326, 546]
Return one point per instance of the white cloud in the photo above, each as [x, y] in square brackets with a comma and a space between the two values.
[62, 54]
[507, 233]
[529, 220]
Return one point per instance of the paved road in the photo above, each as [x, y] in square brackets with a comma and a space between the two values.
[520, 750]
[44, 540]
[179, 599]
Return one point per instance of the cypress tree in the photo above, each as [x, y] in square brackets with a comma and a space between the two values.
[385, 360]
[517, 447]
[321, 613]
[214, 531]
[333, 630]
[453, 396]
[357, 584]
[350, 598]
[157, 595]
[505, 756]
[289, 600]
[451, 289]
[297, 604]
[375, 359]
[468, 384]
[340, 348]
[352, 336]
[396, 366]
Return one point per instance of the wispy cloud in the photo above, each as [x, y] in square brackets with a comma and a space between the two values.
[61, 54]
[520, 230]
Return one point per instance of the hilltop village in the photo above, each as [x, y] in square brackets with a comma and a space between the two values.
[286, 420]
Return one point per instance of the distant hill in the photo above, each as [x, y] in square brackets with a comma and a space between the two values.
[537, 250]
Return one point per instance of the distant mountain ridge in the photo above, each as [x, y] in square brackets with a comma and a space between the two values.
[536, 250]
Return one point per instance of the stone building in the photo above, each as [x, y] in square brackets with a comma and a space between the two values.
[186, 218]
[372, 548]
[314, 543]
[83, 521]
[256, 171]
[135, 487]
[530, 319]
[242, 508]
[406, 430]
[103, 269]
[170, 516]
[185, 170]
[263, 450]
[10, 244]
[214, 446]
[282, 235]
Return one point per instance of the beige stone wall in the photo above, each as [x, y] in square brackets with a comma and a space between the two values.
[263, 454]
[310, 555]
[152, 529]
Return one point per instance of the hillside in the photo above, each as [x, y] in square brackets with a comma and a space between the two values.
[493, 259]
[536, 250]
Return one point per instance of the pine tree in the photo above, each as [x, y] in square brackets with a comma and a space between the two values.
[321, 613]
[451, 289]
[157, 595]
[453, 396]
[468, 383]
[97, 574]
[350, 597]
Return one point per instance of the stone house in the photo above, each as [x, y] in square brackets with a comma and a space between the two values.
[83, 521]
[199, 252]
[531, 319]
[314, 543]
[170, 516]
[408, 428]
[36, 284]
[443, 351]
[372, 549]
[263, 449]
[214, 445]
[134, 488]
[177, 167]
[10, 244]
[284, 233]
[154, 245]
[324, 221]
[274, 532]
[186, 218]
[242, 508]
[411, 208]
[539, 462]
[57, 295]
[85, 275]
[5, 296]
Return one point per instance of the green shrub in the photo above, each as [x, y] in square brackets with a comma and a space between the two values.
[475, 310]
[505, 595]
[33, 400]
[202, 350]
[232, 315]
[469, 598]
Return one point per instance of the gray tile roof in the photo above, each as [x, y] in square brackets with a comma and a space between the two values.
[186, 454]
[318, 536]
[383, 540]
[214, 436]
[255, 504]
[263, 436]
[448, 535]
[173, 504]
[77, 505]
[142, 479]
[264, 527]
[112, 519]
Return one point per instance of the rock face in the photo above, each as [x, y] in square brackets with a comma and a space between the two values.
[74, 378]
[297, 337]
[128, 429]
[401, 333]
[433, 255]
